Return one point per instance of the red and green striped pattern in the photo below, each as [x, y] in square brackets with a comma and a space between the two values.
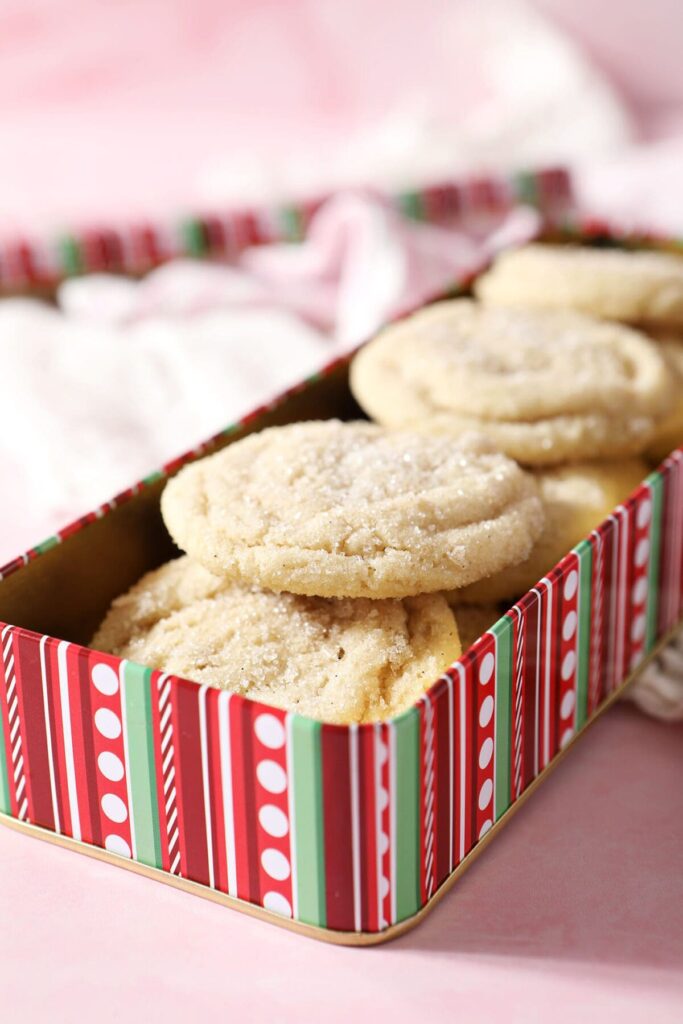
[347, 828]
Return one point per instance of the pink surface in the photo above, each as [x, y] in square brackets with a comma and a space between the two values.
[573, 912]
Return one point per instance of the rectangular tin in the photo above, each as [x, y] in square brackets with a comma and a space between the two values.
[347, 833]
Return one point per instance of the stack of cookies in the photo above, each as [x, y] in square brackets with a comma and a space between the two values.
[569, 361]
[315, 559]
[336, 569]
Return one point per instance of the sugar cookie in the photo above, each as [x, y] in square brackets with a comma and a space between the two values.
[544, 386]
[638, 287]
[353, 510]
[576, 498]
[669, 433]
[337, 661]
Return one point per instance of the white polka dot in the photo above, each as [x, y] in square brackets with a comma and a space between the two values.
[568, 665]
[570, 585]
[278, 903]
[566, 736]
[638, 628]
[114, 807]
[383, 888]
[486, 668]
[105, 680]
[569, 626]
[107, 723]
[567, 705]
[116, 844]
[275, 864]
[271, 776]
[270, 731]
[640, 590]
[485, 794]
[383, 799]
[642, 551]
[273, 821]
[383, 843]
[110, 765]
[486, 752]
[644, 513]
[485, 827]
[486, 711]
[382, 753]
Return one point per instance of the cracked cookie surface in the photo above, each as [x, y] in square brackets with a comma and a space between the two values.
[544, 386]
[637, 287]
[334, 660]
[334, 509]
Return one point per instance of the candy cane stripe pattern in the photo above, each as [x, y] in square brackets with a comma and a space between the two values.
[169, 789]
[18, 767]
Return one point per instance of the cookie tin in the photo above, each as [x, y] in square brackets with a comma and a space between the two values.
[345, 833]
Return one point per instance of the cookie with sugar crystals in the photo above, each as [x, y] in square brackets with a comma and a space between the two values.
[334, 509]
[669, 433]
[339, 661]
[544, 386]
[576, 498]
[637, 287]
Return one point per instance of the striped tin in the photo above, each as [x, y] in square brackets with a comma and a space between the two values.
[348, 829]
[348, 833]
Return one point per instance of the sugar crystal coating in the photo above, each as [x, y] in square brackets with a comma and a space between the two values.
[335, 660]
[335, 509]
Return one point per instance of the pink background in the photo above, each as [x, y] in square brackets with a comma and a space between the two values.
[111, 110]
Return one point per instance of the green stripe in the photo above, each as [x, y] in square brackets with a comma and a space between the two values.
[526, 188]
[5, 805]
[584, 552]
[70, 255]
[291, 223]
[502, 631]
[142, 770]
[308, 818]
[45, 545]
[411, 204]
[153, 477]
[656, 482]
[407, 838]
[193, 235]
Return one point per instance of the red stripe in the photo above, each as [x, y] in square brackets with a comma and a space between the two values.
[267, 750]
[58, 752]
[609, 609]
[338, 845]
[188, 759]
[463, 760]
[95, 785]
[54, 718]
[368, 856]
[518, 702]
[484, 679]
[442, 765]
[34, 733]
[220, 863]
[530, 606]
[83, 767]
[240, 780]
[5, 719]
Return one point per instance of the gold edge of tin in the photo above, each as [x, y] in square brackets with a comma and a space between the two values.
[340, 938]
